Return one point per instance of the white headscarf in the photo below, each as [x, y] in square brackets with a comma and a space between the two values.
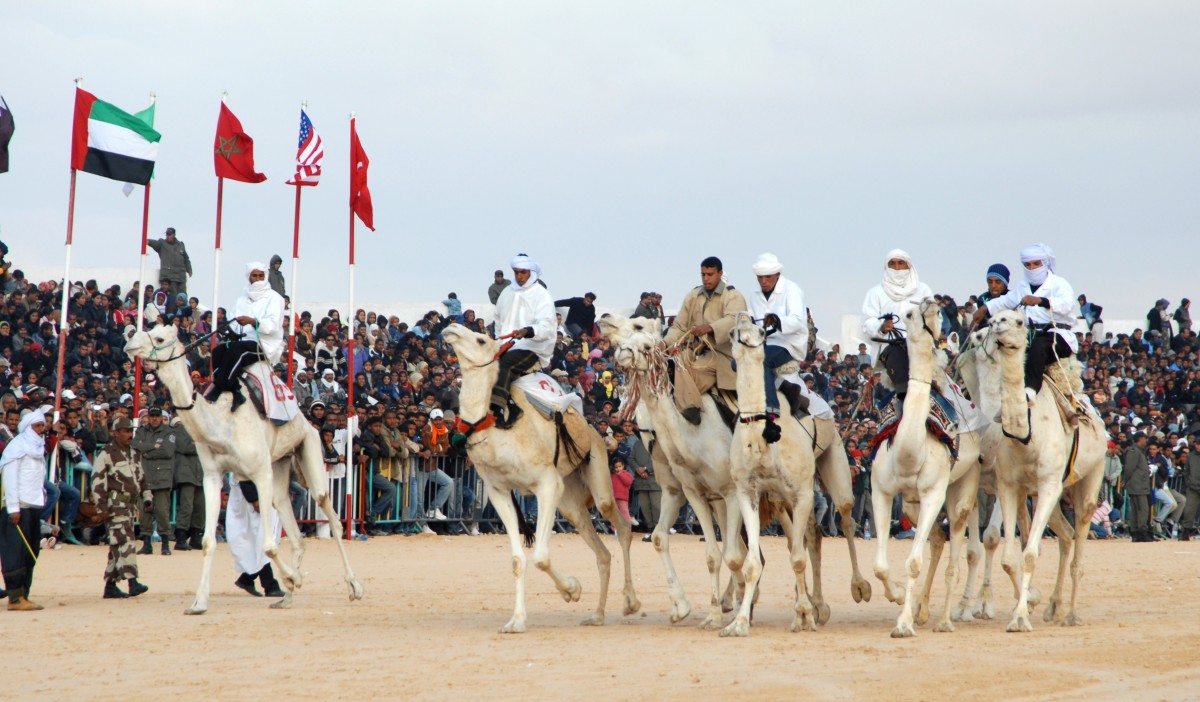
[522, 262]
[900, 285]
[258, 289]
[331, 384]
[28, 443]
[767, 264]
[1038, 252]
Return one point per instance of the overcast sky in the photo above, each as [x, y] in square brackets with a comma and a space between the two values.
[619, 143]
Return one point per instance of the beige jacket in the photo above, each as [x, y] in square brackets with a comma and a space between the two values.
[718, 309]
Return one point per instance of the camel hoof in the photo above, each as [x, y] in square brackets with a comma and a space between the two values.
[922, 617]
[513, 626]
[573, 591]
[712, 621]
[860, 590]
[903, 630]
[356, 590]
[285, 603]
[822, 614]
[632, 605]
[803, 622]
[594, 620]
[195, 609]
[1073, 620]
[1051, 612]
[738, 627]
[944, 627]
[962, 614]
[680, 611]
[984, 610]
[1019, 624]
[728, 605]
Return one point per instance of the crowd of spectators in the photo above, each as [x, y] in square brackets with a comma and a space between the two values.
[406, 387]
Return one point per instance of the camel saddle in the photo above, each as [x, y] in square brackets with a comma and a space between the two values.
[942, 424]
[277, 404]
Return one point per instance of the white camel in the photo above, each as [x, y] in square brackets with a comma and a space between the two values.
[916, 464]
[697, 457]
[253, 448]
[767, 474]
[564, 465]
[1032, 448]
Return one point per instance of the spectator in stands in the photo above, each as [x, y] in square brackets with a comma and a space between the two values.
[581, 315]
[1183, 315]
[499, 283]
[174, 264]
[435, 438]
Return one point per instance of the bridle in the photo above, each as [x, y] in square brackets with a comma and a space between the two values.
[153, 356]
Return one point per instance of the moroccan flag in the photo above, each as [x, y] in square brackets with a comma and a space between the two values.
[234, 150]
[111, 143]
[6, 131]
[360, 196]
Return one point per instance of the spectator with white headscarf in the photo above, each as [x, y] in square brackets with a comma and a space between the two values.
[883, 315]
[258, 317]
[23, 468]
[1050, 310]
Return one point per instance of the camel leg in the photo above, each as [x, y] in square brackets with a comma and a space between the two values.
[549, 493]
[834, 470]
[812, 536]
[287, 518]
[599, 482]
[1064, 534]
[502, 503]
[573, 506]
[962, 613]
[1085, 505]
[881, 503]
[937, 544]
[751, 568]
[313, 468]
[802, 522]
[212, 510]
[712, 558]
[265, 484]
[672, 503]
[1049, 492]
[960, 510]
[735, 585]
[1023, 528]
[984, 607]
[932, 499]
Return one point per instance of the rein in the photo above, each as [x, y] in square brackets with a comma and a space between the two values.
[187, 348]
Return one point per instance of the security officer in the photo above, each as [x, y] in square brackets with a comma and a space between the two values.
[189, 491]
[155, 443]
[1136, 478]
[117, 485]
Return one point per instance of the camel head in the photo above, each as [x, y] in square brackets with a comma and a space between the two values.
[748, 339]
[474, 350]
[1008, 328]
[634, 340]
[159, 344]
[924, 321]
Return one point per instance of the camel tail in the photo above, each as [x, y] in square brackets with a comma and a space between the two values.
[526, 529]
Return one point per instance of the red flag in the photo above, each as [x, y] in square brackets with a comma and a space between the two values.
[360, 196]
[233, 154]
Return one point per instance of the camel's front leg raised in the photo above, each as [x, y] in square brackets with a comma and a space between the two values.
[573, 506]
[751, 568]
[212, 510]
[502, 502]
[549, 492]
[881, 504]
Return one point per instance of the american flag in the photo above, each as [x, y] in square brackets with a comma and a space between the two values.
[309, 153]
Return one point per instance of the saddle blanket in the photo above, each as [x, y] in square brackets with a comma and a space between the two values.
[547, 395]
[279, 404]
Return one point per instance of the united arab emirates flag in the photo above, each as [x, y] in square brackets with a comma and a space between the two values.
[109, 142]
[6, 132]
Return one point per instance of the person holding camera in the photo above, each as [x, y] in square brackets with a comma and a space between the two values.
[118, 485]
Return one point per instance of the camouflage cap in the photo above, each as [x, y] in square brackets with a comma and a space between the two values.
[122, 423]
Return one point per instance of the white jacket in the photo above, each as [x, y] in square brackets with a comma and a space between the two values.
[1064, 306]
[878, 303]
[23, 479]
[787, 302]
[268, 310]
[531, 307]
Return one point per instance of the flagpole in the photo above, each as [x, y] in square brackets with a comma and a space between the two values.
[351, 414]
[62, 320]
[294, 318]
[217, 249]
[137, 380]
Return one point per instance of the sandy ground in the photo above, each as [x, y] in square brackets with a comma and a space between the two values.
[427, 629]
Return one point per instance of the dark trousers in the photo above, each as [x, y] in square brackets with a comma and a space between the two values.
[1046, 347]
[894, 359]
[19, 546]
[229, 358]
[513, 364]
[1137, 513]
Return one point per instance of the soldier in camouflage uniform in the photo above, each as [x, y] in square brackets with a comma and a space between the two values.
[118, 485]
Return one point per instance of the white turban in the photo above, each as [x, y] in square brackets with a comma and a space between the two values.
[767, 264]
[900, 285]
[255, 266]
[522, 262]
[27, 443]
[259, 288]
[30, 419]
[1038, 252]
